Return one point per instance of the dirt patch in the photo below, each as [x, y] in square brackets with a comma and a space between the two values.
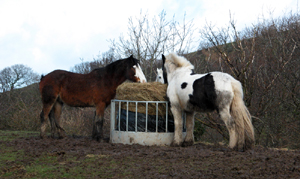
[136, 161]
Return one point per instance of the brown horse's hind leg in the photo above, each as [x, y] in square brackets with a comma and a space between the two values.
[58, 110]
[55, 119]
[49, 97]
[44, 118]
[98, 123]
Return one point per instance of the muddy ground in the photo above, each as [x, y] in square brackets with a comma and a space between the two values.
[197, 161]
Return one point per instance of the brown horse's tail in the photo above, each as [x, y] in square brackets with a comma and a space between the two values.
[242, 117]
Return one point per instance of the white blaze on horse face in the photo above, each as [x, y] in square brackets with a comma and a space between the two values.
[159, 77]
[139, 73]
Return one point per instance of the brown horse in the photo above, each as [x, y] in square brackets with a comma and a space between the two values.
[95, 89]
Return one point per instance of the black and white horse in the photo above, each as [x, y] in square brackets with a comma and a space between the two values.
[189, 92]
[159, 76]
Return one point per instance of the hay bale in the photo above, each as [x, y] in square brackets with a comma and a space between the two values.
[152, 91]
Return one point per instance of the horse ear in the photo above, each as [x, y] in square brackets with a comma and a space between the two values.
[163, 58]
[133, 60]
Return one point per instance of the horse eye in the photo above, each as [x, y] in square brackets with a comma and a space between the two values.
[159, 77]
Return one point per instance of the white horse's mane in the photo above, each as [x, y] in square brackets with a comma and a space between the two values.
[179, 61]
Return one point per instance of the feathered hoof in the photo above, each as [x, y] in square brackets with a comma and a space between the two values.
[238, 148]
[243, 148]
[187, 143]
[175, 144]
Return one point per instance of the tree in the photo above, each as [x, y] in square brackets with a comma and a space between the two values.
[17, 76]
[148, 39]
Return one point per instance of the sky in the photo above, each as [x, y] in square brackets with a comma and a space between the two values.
[57, 34]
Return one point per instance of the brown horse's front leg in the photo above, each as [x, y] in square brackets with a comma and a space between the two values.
[97, 128]
[98, 123]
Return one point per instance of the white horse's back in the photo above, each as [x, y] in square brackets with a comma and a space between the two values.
[183, 85]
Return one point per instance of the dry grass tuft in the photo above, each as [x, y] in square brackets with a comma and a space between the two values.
[153, 91]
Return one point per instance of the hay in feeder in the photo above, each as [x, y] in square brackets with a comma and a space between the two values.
[153, 91]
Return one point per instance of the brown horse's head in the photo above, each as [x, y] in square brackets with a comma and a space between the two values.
[134, 70]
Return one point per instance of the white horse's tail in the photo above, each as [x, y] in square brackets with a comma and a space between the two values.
[242, 117]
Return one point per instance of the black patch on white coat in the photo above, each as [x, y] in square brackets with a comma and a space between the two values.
[183, 85]
[204, 94]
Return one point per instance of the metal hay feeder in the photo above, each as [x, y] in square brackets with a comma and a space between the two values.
[133, 127]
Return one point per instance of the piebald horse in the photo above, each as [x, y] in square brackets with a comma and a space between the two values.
[159, 76]
[189, 92]
[95, 89]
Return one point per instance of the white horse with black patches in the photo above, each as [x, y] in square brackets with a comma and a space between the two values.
[189, 92]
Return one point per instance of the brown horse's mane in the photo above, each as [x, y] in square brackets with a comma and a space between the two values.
[120, 65]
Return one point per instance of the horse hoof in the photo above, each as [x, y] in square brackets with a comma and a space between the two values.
[102, 140]
[175, 144]
[187, 143]
[239, 149]
[97, 138]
